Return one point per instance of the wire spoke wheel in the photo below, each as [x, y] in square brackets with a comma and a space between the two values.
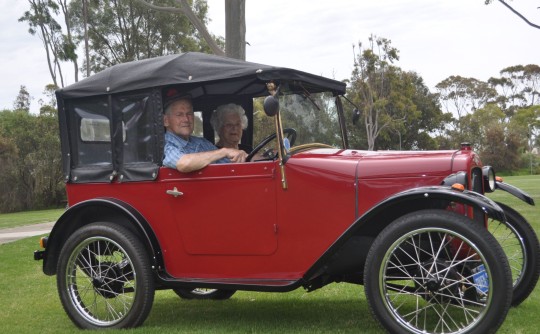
[443, 289]
[102, 279]
[431, 273]
[520, 244]
[512, 244]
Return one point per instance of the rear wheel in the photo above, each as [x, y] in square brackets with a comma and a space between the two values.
[435, 271]
[104, 278]
[520, 243]
[199, 293]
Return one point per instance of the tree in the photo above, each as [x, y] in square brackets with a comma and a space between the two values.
[58, 47]
[22, 102]
[370, 87]
[461, 96]
[69, 47]
[518, 86]
[113, 32]
[126, 30]
[8, 159]
[48, 107]
[420, 133]
[31, 165]
[521, 16]
[526, 122]
[235, 30]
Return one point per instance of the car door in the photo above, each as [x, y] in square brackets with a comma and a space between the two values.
[225, 209]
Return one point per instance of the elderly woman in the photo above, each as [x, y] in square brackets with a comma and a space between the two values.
[229, 121]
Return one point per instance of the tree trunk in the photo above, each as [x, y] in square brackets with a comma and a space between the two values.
[235, 29]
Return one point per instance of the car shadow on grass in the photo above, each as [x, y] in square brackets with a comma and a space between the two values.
[264, 313]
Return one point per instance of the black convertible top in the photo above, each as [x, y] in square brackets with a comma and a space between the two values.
[224, 76]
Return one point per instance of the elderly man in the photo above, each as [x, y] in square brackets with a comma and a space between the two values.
[185, 152]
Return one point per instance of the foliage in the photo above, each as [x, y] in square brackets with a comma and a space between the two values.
[517, 13]
[58, 47]
[30, 156]
[518, 87]
[397, 109]
[370, 86]
[22, 102]
[461, 96]
[501, 117]
[117, 31]
[120, 31]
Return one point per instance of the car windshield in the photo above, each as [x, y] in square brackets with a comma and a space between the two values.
[315, 119]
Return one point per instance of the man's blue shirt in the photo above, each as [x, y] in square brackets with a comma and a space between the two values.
[176, 147]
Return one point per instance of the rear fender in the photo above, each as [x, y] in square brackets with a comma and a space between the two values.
[370, 224]
[99, 210]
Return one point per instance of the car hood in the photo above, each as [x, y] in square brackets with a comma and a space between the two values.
[384, 164]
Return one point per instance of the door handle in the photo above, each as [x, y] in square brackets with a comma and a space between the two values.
[174, 192]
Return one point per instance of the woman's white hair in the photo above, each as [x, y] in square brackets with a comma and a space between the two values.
[218, 116]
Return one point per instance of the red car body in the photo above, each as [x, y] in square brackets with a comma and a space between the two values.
[214, 233]
[306, 216]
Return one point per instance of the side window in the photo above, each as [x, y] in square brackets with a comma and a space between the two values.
[92, 135]
[137, 127]
[95, 129]
[198, 129]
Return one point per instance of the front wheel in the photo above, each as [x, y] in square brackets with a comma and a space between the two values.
[520, 243]
[435, 271]
[104, 278]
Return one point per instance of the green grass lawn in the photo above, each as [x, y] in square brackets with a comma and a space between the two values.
[29, 301]
[29, 217]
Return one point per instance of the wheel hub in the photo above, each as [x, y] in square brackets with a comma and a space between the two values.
[435, 278]
[108, 284]
[433, 285]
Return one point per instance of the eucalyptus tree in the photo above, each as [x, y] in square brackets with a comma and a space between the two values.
[23, 99]
[518, 87]
[396, 108]
[518, 13]
[126, 30]
[235, 26]
[42, 21]
[370, 86]
[462, 96]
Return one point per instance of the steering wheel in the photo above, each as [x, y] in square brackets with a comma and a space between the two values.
[268, 152]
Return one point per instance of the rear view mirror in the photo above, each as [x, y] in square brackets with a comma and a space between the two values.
[271, 105]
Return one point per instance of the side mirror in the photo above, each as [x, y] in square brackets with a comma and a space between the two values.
[355, 115]
[271, 106]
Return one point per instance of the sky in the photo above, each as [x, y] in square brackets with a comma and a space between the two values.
[435, 38]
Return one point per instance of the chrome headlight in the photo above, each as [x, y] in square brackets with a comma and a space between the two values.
[489, 179]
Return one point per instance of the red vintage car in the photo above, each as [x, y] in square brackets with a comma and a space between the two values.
[305, 211]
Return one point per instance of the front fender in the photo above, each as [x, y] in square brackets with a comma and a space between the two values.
[467, 197]
[515, 191]
[430, 197]
[385, 212]
[96, 210]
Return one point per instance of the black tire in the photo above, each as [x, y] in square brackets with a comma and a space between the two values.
[424, 274]
[104, 278]
[208, 294]
[520, 243]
